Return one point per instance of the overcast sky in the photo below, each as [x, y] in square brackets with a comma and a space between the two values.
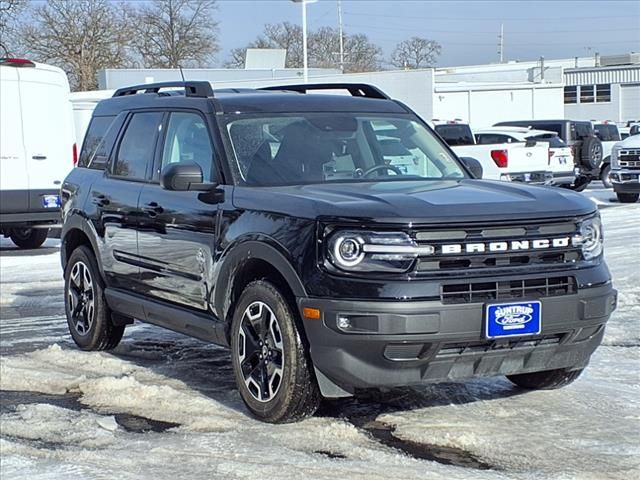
[467, 30]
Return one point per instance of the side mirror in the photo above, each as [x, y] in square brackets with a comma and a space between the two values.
[183, 177]
[473, 165]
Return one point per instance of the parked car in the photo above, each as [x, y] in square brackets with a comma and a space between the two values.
[37, 148]
[513, 162]
[271, 222]
[560, 155]
[625, 169]
[580, 136]
[83, 104]
[609, 135]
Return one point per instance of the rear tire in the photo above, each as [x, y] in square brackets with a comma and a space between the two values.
[628, 197]
[271, 365]
[547, 380]
[604, 175]
[88, 315]
[29, 237]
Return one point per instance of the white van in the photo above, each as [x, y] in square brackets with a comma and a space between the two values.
[37, 148]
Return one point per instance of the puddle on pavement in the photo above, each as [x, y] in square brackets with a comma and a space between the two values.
[435, 453]
[9, 400]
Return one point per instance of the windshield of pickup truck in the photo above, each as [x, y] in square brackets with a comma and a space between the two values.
[293, 149]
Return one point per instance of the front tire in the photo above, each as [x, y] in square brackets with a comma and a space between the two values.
[628, 197]
[271, 365]
[604, 176]
[547, 380]
[29, 237]
[88, 315]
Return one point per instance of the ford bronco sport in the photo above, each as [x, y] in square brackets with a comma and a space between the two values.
[270, 221]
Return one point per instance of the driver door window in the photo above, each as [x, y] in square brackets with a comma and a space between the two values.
[188, 141]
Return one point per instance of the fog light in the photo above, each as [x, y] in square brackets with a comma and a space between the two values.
[344, 323]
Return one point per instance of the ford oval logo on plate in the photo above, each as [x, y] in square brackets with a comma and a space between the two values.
[512, 319]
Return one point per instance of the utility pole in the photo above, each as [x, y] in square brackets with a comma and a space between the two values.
[501, 44]
[341, 35]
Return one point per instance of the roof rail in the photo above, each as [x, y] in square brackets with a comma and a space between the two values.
[355, 89]
[191, 88]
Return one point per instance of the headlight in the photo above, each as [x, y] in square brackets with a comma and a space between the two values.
[590, 238]
[374, 251]
[614, 156]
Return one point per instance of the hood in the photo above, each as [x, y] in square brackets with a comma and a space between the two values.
[632, 141]
[418, 202]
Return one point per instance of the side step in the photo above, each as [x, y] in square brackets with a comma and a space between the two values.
[179, 319]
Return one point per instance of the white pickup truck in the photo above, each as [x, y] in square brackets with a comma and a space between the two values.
[512, 162]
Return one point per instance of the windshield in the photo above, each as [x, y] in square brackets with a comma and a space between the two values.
[293, 149]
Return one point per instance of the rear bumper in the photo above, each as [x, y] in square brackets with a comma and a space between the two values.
[394, 343]
[536, 178]
[26, 207]
[563, 178]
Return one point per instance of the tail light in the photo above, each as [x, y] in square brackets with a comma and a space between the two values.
[500, 157]
[75, 155]
[17, 62]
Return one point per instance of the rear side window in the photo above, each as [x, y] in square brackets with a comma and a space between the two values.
[492, 138]
[93, 138]
[138, 145]
[553, 140]
[456, 134]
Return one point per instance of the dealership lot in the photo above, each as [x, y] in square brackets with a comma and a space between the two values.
[163, 405]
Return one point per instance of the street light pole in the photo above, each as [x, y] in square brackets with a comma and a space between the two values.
[305, 65]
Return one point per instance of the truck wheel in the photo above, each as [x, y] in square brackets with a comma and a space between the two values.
[547, 380]
[628, 197]
[29, 237]
[591, 152]
[270, 362]
[604, 175]
[88, 315]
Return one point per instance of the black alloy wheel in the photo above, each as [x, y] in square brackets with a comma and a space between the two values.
[260, 351]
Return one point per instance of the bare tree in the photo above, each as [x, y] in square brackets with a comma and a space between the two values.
[9, 11]
[173, 33]
[416, 53]
[323, 48]
[360, 54]
[81, 36]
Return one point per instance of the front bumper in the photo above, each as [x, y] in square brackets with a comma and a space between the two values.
[625, 181]
[395, 343]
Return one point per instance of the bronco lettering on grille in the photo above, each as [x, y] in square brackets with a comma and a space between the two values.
[511, 246]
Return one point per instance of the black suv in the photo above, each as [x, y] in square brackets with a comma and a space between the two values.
[581, 137]
[275, 222]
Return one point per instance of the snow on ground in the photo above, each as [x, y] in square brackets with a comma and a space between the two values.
[66, 413]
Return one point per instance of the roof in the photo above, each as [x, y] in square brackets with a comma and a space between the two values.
[251, 101]
[280, 102]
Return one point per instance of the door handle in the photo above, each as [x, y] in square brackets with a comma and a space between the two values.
[101, 200]
[152, 209]
[39, 157]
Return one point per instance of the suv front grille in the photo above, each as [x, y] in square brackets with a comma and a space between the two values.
[501, 259]
[506, 290]
[629, 159]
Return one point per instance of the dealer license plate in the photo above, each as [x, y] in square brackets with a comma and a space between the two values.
[51, 201]
[513, 319]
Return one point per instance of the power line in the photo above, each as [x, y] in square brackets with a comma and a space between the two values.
[472, 32]
[527, 18]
